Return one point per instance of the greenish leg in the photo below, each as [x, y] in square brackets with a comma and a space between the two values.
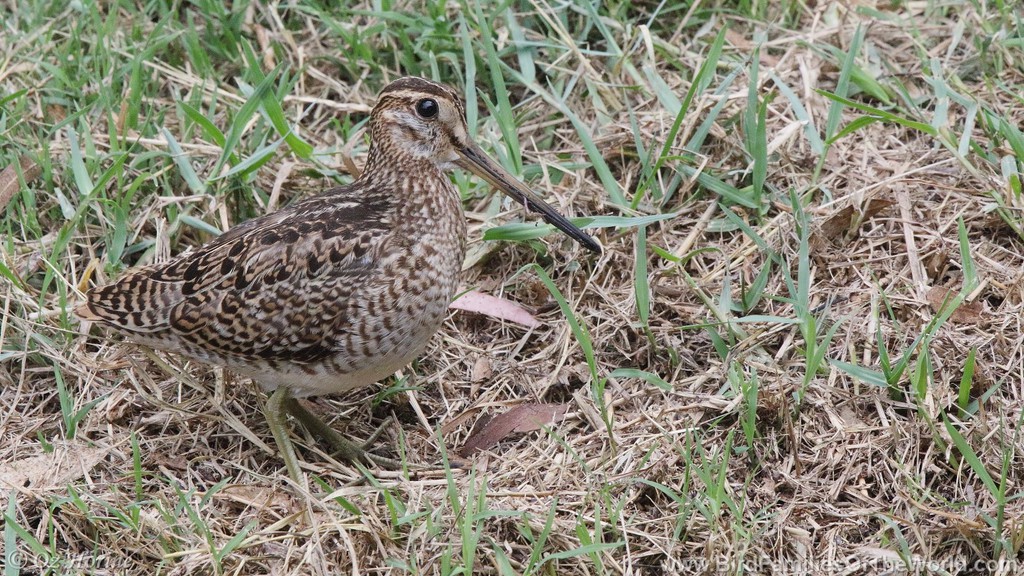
[344, 449]
[376, 433]
[276, 421]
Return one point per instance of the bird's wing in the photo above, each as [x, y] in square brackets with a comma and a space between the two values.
[276, 287]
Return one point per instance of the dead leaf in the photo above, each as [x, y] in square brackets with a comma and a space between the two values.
[279, 179]
[51, 471]
[457, 421]
[746, 44]
[851, 420]
[967, 313]
[935, 266]
[494, 307]
[122, 116]
[478, 252]
[9, 179]
[847, 221]
[481, 369]
[257, 497]
[350, 165]
[738, 40]
[522, 418]
[57, 113]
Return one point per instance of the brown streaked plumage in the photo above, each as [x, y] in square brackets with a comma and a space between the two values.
[336, 291]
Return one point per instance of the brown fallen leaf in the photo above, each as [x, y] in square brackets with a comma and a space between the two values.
[482, 369]
[49, 471]
[522, 418]
[9, 179]
[257, 498]
[967, 313]
[453, 423]
[494, 307]
[846, 222]
[746, 44]
[937, 264]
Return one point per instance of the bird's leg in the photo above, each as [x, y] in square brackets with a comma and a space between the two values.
[275, 419]
[376, 433]
[344, 449]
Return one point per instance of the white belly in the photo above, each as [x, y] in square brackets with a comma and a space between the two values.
[326, 379]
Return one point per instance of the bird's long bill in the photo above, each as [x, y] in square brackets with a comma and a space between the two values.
[472, 158]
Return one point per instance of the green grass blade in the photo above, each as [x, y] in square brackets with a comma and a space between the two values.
[835, 112]
[880, 114]
[968, 453]
[700, 84]
[604, 173]
[502, 104]
[579, 330]
[188, 174]
[970, 272]
[253, 162]
[273, 110]
[649, 377]
[78, 169]
[641, 288]
[241, 120]
[209, 129]
[800, 111]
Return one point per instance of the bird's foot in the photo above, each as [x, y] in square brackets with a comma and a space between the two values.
[344, 449]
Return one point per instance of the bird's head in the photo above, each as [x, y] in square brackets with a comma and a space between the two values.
[417, 119]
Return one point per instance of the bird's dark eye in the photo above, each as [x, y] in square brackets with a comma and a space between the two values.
[426, 108]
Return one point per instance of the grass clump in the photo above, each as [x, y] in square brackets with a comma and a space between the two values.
[802, 345]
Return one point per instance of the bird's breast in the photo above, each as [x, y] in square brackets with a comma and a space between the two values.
[402, 305]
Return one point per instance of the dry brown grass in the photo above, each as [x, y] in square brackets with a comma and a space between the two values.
[174, 460]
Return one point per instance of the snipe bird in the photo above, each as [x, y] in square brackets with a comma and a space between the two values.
[336, 291]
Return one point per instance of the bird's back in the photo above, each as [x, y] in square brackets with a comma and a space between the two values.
[329, 287]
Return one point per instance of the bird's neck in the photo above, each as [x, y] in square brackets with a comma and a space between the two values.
[427, 209]
[422, 192]
[386, 162]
